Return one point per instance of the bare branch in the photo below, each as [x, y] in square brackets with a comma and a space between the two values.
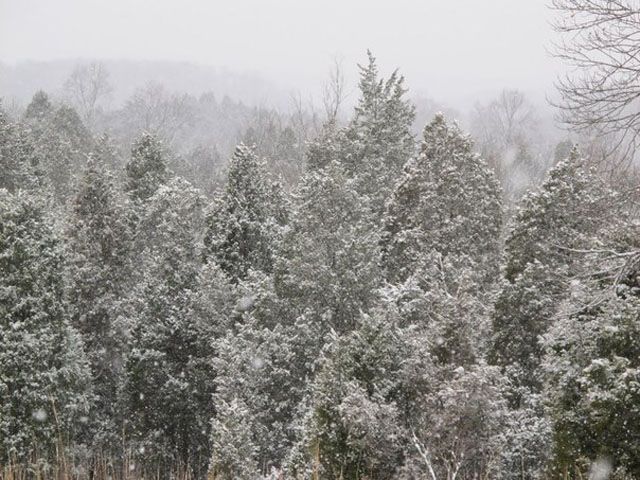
[86, 87]
[600, 41]
[333, 91]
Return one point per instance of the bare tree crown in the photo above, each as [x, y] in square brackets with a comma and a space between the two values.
[600, 42]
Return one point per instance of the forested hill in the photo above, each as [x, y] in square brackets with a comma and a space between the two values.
[20, 81]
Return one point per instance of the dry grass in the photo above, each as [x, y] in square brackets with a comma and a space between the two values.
[100, 467]
[102, 470]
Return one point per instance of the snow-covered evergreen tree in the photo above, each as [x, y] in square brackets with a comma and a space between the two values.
[458, 414]
[448, 200]
[17, 161]
[147, 168]
[61, 144]
[259, 368]
[325, 272]
[379, 135]
[106, 152]
[564, 215]
[98, 283]
[354, 426]
[444, 298]
[234, 453]
[566, 212]
[326, 147]
[592, 363]
[550, 226]
[169, 380]
[39, 107]
[328, 265]
[458, 430]
[378, 140]
[244, 223]
[44, 377]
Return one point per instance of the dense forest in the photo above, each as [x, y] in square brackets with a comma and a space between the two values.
[191, 287]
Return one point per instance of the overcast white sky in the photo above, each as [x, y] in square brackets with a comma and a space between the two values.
[445, 48]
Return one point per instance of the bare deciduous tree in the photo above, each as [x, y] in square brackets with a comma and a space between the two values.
[505, 121]
[303, 118]
[600, 41]
[87, 85]
[333, 94]
[152, 109]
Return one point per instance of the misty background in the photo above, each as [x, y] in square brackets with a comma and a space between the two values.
[205, 76]
[261, 52]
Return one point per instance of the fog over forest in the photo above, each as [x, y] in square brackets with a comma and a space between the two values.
[364, 240]
[455, 52]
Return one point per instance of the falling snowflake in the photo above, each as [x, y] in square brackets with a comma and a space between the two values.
[39, 415]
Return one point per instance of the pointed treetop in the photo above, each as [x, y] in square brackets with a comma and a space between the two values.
[39, 107]
[147, 169]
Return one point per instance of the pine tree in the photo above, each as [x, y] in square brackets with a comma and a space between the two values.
[44, 377]
[147, 169]
[244, 223]
[98, 243]
[447, 201]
